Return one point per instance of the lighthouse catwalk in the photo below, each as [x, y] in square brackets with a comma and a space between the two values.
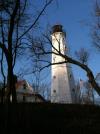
[62, 80]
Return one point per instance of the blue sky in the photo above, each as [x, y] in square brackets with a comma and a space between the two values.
[76, 17]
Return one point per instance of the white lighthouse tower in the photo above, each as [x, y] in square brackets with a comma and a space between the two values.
[62, 85]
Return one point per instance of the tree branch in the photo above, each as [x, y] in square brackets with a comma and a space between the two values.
[11, 28]
[87, 70]
[3, 47]
[41, 12]
[50, 64]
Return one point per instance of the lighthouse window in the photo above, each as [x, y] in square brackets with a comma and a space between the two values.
[24, 86]
[54, 91]
[70, 75]
[65, 48]
[54, 77]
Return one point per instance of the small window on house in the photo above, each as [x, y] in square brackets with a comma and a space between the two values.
[24, 86]
[24, 98]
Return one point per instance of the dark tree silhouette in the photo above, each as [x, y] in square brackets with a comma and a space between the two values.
[13, 16]
[96, 26]
[42, 51]
[82, 55]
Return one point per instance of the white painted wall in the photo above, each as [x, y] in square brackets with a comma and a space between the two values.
[61, 91]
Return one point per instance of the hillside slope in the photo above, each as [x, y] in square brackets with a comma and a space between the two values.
[32, 118]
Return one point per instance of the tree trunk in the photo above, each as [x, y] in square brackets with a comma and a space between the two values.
[11, 90]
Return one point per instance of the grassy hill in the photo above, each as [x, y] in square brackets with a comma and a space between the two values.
[32, 118]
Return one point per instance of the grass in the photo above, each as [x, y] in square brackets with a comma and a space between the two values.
[33, 118]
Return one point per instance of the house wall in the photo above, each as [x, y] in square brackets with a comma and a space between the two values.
[28, 98]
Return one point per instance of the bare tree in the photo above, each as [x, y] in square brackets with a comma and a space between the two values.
[82, 55]
[4, 78]
[42, 50]
[90, 93]
[96, 26]
[43, 89]
[14, 29]
[38, 85]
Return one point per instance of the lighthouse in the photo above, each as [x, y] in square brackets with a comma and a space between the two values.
[62, 80]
